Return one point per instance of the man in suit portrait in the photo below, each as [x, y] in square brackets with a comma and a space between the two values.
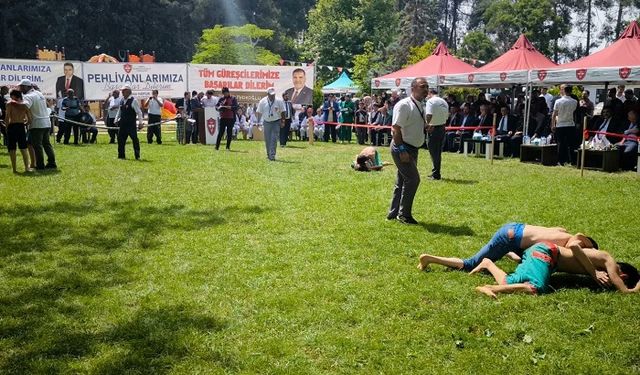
[69, 81]
[299, 94]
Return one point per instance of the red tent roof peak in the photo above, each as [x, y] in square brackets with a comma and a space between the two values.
[441, 50]
[632, 31]
[523, 43]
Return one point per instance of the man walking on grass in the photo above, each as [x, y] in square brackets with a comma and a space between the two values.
[408, 135]
[271, 111]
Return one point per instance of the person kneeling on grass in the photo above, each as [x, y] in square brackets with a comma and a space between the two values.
[368, 160]
[541, 260]
[510, 240]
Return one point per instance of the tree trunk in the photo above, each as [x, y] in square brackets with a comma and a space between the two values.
[619, 19]
[588, 47]
[454, 22]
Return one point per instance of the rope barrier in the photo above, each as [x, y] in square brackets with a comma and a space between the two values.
[615, 135]
[114, 127]
[390, 127]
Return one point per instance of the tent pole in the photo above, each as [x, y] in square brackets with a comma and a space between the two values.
[493, 136]
[584, 146]
[527, 110]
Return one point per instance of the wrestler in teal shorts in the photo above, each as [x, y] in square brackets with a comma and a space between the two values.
[538, 263]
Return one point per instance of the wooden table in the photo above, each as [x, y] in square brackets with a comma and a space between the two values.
[545, 155]
[602, 160]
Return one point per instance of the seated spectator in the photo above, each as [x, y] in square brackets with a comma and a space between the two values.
[307, 124]
[455, 119]
[629, 146]
[505, 129]
[318, 122]
[295, 123]
[240, 125]
[368, 160]
[468, 119]
[88, 133]
[605, 123]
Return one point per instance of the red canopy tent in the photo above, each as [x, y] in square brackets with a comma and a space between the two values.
[512, 68]
[440, 62]
[617, 63]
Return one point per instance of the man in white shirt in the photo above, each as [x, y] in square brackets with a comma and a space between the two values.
[408, 124]
[271, 111]
[547, 98]
[40, 125]
[126, 120]
[620, 93]
[562, 123]
[437, 111]
[154, 105]
[209, 100]
[114, 104]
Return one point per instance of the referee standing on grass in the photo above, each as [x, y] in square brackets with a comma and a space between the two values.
[408, 136]
[271, 111]
[126, 120]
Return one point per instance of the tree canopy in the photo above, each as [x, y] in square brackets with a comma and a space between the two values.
[371, 37]
[235, 45]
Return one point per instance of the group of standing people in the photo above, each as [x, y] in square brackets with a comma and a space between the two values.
[28, 124]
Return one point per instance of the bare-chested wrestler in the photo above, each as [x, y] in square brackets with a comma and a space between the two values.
[511, 239]
[542, 259]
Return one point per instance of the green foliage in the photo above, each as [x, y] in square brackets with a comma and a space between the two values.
[234, 45]
[419, 53]
[419, 22]
[477, 45]
[537, 19]
[122, 267]
[365, 67]
[338, 29]
[318, 96]
[461, 93]
[575, 90]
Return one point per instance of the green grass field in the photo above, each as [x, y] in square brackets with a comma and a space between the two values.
[193, 261]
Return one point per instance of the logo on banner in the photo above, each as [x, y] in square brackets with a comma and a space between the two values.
[471, 77]
[211, 126]
[581, 73]
[542, 74]
[376, 83]
[503, 76]
[127, 68]
[398, 82]
[624, 72]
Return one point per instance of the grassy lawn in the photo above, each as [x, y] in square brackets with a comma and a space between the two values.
[193, 261]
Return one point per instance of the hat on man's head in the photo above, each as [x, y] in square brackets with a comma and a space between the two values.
[25, 82]
[125, 87]
[271, 91]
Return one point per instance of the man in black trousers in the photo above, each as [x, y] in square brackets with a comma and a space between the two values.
[126, 119]
[288, 115]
